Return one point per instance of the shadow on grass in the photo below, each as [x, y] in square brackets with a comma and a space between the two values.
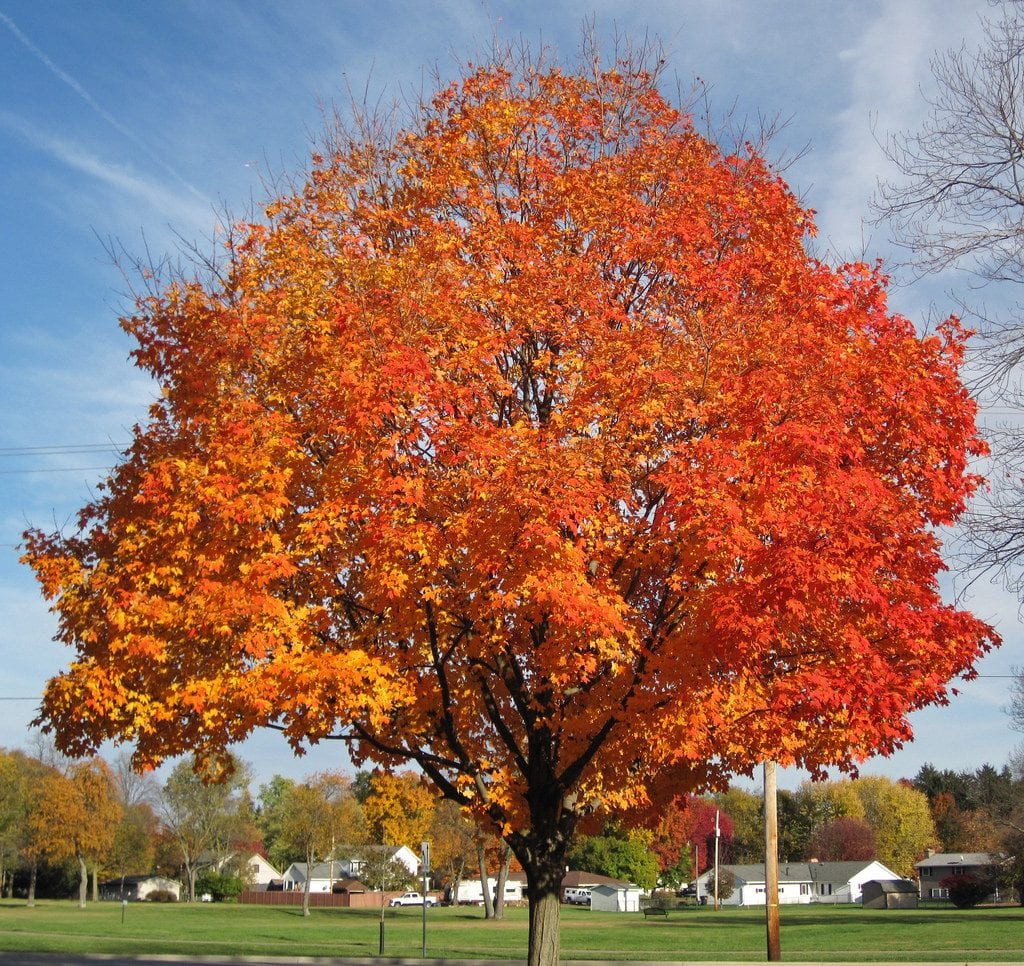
[903, 917]
[798, 916]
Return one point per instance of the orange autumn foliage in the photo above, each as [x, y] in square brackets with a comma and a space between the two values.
[531, 446]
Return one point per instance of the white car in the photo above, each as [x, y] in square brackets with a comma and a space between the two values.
[412, 899]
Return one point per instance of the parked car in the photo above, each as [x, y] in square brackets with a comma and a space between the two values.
[412, 899]
[577, 897]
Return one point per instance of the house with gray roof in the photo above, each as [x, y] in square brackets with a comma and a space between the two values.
[844, 881]
[794, 884]
[800, 882]
[325, 875]
[936, 866]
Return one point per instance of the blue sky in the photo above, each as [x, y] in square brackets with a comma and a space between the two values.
[136, 126]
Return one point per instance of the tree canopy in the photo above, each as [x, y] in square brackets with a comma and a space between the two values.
[527, 443]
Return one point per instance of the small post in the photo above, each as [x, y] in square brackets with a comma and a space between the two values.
[124, 905]
[383, 866]
[771, 861]
[425, 861]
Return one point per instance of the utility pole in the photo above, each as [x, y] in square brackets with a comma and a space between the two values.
[696, 871]
[717, 835]
[771, 861]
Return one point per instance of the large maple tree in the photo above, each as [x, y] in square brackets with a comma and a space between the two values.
[526, 443]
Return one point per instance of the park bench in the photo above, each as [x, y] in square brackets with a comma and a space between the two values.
[655, 911]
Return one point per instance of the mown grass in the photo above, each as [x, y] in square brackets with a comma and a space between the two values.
[818, 933]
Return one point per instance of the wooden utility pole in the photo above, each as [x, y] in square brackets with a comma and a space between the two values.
[718, 834]
[771, 861]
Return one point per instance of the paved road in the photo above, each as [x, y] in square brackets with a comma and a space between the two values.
[96, 959]
[79, 959]
[68, 959]
[117, 959]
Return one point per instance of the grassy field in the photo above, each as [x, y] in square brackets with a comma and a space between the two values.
[818, 933]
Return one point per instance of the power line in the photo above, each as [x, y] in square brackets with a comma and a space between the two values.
[55, 469]
[60, 449]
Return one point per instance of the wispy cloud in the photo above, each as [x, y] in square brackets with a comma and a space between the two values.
[70, 81]
[887, 67]
[193, 212]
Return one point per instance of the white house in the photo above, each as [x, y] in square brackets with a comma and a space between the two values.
[324, 875]
[400, 853]
[257, 872]
[794, 884]
[621, 897]
[844, 881]
[800, 882]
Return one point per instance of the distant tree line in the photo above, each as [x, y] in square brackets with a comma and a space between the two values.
[65, 825]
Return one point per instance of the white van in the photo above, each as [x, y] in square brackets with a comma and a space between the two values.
[577, 897]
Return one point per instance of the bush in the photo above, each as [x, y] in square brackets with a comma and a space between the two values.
[161, 895]
[966, 891]
[222, 886]
[726, 884]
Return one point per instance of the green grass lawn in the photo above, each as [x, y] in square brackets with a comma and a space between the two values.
[821, 933]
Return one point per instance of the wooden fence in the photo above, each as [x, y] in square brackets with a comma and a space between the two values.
[340, 900]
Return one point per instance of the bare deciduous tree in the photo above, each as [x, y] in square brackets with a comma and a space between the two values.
[960, 200]
[959, 204]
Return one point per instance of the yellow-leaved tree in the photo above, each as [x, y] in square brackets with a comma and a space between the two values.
[76, 816]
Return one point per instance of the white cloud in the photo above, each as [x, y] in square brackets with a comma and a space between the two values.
[183, 211]
[888, 73]
[71, 82]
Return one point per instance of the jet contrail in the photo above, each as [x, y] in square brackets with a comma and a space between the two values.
[62, 75]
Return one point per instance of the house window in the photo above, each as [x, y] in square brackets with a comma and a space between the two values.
[803, 889]
[927, 872]
[939, 893]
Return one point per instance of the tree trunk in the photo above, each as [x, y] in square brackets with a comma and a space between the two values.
[481, 857]
[460, 870]
[542, 852]
[305, 889]
[33, 874]
[545, 913]
[190, 873]
[83, 881]
[95, 882]
[499, 888]
[771, 862]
